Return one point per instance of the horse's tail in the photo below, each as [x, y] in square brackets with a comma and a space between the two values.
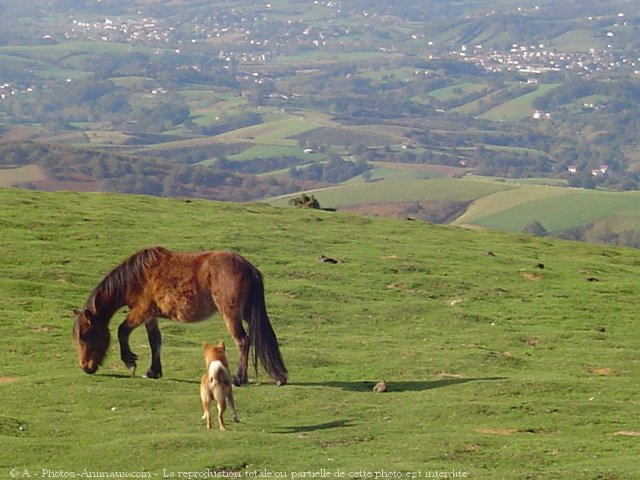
[261, 334]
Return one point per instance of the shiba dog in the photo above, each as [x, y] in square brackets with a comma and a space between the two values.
[216, 383]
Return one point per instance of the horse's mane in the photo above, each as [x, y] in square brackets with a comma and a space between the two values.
[127, 275]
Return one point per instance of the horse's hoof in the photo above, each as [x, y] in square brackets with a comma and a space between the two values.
[150, 374]
[280, 383]
[239, 382]
[132, 369]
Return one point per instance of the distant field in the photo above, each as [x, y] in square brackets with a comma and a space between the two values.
[406, 171]
[556, 208]
[276, 130]
[457, 90]
[320, 57]
[410, 190]
[578, 40]
[518, 107]
[270, 151]
[498, 204]
[349, 136]
[61, 51]
[12, 176]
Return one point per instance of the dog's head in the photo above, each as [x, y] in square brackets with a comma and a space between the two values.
[215, 352]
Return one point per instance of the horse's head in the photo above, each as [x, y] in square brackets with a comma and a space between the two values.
[91, 338]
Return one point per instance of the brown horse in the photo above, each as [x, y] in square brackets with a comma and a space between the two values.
[184, 287]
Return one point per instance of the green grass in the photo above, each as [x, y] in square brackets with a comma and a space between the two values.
[578, 40]
[404, 190]
[277, 129]
[319, 57]
[268, 151]
[58, 52]
[556, 208]
[454, 91]
[495, 367]
[519, 107]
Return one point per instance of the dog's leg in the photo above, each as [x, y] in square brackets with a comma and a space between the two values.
[222, 406]
[205, 398]
[207, 416]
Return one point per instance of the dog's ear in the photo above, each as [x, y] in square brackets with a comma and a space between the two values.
[221, 345]
[205, 345]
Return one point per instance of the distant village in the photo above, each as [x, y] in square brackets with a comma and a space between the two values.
[234, 38]
[252, 46]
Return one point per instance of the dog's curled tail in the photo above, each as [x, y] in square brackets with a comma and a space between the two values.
[219, 379]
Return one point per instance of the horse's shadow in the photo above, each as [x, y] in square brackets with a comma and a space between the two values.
[125, 376]
[408, 386]
[367, 386]
[354, 386]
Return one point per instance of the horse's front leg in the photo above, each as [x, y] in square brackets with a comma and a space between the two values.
[126, 355]
[155, 342]
[129, 358]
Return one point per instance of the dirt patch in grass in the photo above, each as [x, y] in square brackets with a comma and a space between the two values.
[496, 431]
[533, 277]
[627, 433]
[602, 371]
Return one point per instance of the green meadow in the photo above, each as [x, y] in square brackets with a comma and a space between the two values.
[504, 356]
[403, 190]
[519, 107]
[556, 208]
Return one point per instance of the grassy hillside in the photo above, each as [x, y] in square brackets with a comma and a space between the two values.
[505, 356]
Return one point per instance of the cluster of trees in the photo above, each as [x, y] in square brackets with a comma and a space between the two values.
[604, 231]
[335, 170]
[144, 175]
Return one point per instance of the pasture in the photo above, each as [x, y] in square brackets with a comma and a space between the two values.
[398, 189]
[556, 208]
[505, 356]
[519, 107]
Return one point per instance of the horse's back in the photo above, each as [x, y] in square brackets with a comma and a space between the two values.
[190, 287]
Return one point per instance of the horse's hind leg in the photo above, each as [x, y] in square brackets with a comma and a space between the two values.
[233, 321]
[155, 342]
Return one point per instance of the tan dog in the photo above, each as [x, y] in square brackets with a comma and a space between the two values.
[216, 383]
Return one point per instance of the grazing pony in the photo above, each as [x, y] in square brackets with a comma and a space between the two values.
[184, 287]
